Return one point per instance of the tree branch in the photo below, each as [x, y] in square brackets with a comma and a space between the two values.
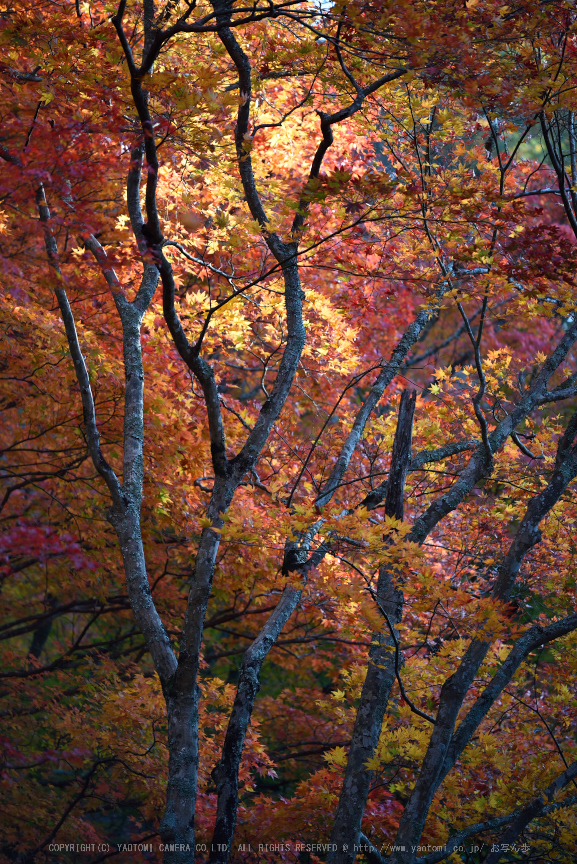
[92, 434]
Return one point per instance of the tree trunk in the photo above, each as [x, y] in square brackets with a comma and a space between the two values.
[381, 671]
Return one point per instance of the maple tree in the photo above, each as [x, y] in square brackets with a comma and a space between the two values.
[289, 437]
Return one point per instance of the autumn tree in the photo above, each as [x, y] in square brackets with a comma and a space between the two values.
[289, 439]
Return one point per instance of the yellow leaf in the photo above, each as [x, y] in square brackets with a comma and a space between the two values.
[338, 756]
[159, 80]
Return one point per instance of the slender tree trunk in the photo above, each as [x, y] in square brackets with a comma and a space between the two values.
[225, 773]
[416, 811]
[374, 700]
[381, 671]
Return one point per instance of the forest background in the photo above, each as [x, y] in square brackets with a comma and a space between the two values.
[288, 389]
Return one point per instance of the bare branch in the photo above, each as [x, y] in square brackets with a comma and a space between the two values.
[92, 434]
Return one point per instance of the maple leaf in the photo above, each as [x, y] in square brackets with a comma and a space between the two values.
[337, 756]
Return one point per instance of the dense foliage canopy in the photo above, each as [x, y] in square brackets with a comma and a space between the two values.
[288, 381]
